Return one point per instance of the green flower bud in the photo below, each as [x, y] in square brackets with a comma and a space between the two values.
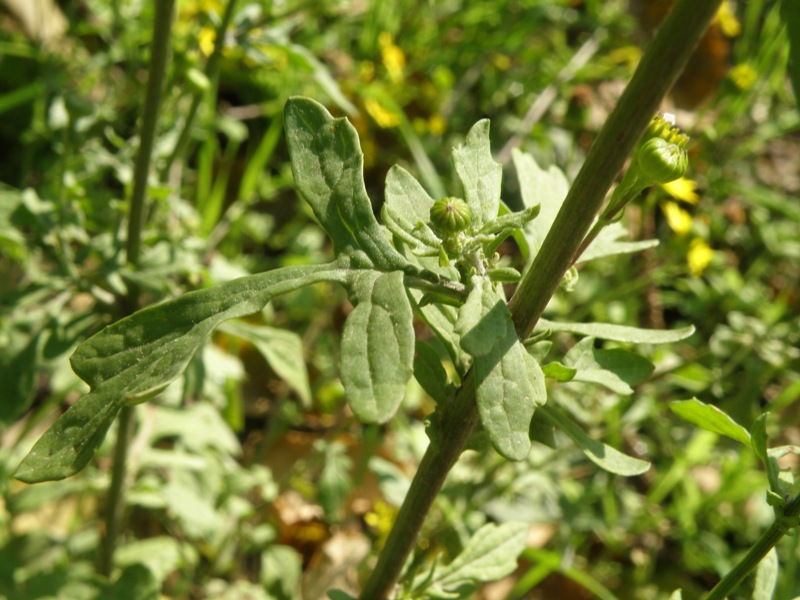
[450, 215]
[661, 161]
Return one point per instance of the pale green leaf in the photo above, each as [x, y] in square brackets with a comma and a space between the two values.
[603, 455]
[281, 571]
[490, 555]
[283, 351]
[766, 577]
[483, 319]
[676, 595]
[611, 242]
[334, 482]
[328, 167]
[509, 385]
[548, 188]
[138, 356]
[618, 333]
[406, 210]
[480, 175]
[615, 369]
[710, 418]
[377, 352]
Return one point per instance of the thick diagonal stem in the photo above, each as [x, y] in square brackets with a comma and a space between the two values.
[656, 73]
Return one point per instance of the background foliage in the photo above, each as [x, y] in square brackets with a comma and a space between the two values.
[249, 476]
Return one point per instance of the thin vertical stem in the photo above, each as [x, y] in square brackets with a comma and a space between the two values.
[211, 73]
[768, 540]
[159, 58]
[659, 68]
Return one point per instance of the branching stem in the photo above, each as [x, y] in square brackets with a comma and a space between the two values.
[656, 73]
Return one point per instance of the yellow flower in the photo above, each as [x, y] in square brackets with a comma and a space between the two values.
[727, 20]
[678, 219]
[436, 125]
[501, 61]
[206, 40]
[743, 76]
[381, 518]
[393, 57]
[682, 189]
[382, 115]
[699, 256]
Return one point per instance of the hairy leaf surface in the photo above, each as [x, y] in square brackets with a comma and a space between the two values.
[377, 353]
[480, 175]
[138, 356]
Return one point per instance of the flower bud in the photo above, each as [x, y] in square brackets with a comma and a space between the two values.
[661, 161]
[450, 215]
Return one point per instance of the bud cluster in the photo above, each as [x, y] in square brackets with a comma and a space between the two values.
[661, 154]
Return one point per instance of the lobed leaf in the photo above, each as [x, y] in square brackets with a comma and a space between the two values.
[481, 177]
[377, 352]
[603, 455]
[328, 169]
[711, 418]
[138, 356]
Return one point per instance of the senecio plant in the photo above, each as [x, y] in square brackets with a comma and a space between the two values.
[436, 259]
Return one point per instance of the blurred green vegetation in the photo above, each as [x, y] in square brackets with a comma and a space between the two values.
[251, 476]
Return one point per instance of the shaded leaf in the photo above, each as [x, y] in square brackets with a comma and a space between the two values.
[615, 369]
[136, 582]
[406, 211]
[334, 482]
[328, 167]
[480, 175]
[138, 356]
[711, 418]
[489, 555]
[483, 320]
[377, 352]
[18, 380]
[283, 351]
[430, 373]
[603, 455]
[618, 333]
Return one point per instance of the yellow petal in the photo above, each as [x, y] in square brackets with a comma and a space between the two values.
[699, 257]
[393, 57]
[743, 76]
[682, 189]
[727, 20]
[678, 219]
[383, 116]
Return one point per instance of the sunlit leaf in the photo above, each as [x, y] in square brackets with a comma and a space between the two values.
[711, 418]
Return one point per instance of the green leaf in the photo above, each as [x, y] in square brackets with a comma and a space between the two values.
[328, 167]
[430, 373]
[710, 418]
[615, 369]
[511, 221]
[618, 333]
[483, 320]
[283, 351]
[406, 211]
[135, 358]
[441, 319]
[136, 582]
[609, 242]
[377, 353]
[323, 77]
[334, 482]
[603, 455]
[537, 186]
[559, 372]
[790, 15]
[340, 595]
[18, 380]
[281, 570]
[480, 175]
[490, 555]
[509, 385]
[766, 576]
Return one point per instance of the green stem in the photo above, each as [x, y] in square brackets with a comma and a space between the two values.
[212, 66]
[656, 73]
[159, 57]
[768, 540]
